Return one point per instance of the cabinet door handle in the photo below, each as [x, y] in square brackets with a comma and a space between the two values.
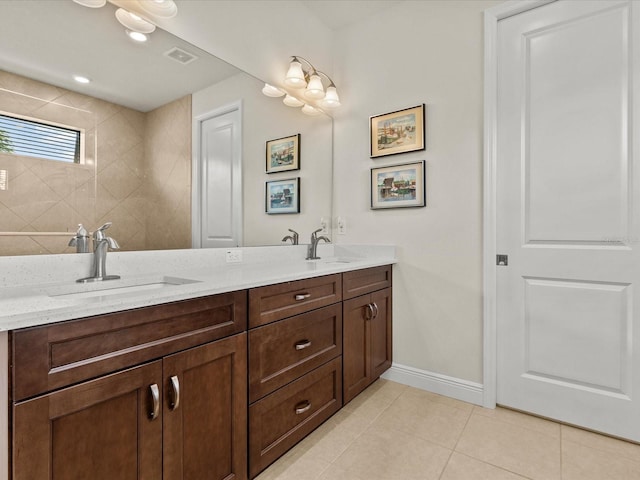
[302, 296]
[302, 344]
[369, 312]
[375, 309]
[155, 401]
[303, 407]
[174, 393]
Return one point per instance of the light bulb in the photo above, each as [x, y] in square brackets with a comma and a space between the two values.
[295, 75]
[315, 89]
[292, 101]
[309, 110]
[163, 9]
[271, 91]
[331, 99]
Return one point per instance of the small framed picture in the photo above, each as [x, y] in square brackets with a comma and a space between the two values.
[283, 196]
[398, 186]
[283, 154]
[397, 132]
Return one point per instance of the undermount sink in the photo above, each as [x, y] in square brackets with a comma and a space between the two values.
[118, 287]
[332, 260]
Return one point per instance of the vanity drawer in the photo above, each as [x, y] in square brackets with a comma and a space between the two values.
[360, 282]
[280, 420]
[53, 356]
[275, 302]
[285, 350]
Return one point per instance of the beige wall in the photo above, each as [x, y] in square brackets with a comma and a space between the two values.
[118, 181]
[421, 52]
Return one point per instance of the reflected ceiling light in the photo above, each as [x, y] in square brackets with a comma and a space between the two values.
[133, 22]
[309, 110]
[302, 74]
[137, 36]
[159, 8]
[292, 101]
[91, 3]
[271, 91]
[81, 79]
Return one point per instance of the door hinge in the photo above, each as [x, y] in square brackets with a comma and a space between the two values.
[502, 260]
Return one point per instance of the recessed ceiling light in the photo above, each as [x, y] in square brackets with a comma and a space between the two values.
[137, 36]
[81, 79]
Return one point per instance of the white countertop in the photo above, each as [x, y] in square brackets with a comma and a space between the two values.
[37, 290]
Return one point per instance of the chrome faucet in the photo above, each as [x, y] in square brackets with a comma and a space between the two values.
[313, 246]
[101, 244]
[293, 238]
[81, 240]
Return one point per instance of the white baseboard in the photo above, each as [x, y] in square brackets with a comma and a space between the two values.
[457, 388]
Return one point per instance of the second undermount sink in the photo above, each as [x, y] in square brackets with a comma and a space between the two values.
[118, 287]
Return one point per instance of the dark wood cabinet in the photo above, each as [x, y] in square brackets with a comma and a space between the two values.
[181, 415]
[367, 337]
[101, 429]
[205, 412]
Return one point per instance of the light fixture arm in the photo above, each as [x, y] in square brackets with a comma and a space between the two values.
[311, 69]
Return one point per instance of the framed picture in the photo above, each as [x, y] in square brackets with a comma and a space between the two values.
[283, 196]
[283, 154]
[397, 132]
[398, 186]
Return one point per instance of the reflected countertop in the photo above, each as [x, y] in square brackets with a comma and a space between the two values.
[37, 290]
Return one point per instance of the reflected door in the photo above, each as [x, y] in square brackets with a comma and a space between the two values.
[567, 215]
[217, 173]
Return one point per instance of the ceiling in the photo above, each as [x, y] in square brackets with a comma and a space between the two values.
[337, 14]
[52, 40]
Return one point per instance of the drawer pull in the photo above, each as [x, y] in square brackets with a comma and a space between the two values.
[155, 401]
[174, 393]
[302, 344]
[303, 407]
[302, 296]
[375, 309]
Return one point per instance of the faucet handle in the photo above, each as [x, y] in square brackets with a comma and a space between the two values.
[98, 234]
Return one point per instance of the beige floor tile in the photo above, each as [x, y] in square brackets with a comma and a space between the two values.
[425, 416]
[333, 437]
[295, 466]
[461, 467]
[512, 447]
[601, 442]
[377, 398]
[386, 454]
[580, 462]
[548, 427]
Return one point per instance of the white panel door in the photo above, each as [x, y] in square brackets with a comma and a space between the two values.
[567, 214]
[218, 211]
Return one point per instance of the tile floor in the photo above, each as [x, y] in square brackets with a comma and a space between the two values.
[395, 432]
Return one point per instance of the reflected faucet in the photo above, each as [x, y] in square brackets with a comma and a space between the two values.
[81, 240]
[101, 244]
[313, 246]
[294, 238]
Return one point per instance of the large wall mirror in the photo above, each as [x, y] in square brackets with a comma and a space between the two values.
[132, 163]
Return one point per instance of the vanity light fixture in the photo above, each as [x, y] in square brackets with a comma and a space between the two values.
[308, 77]
[271, 91]
[91, 3]
[159, 8]
[290, 101]
[311, 111]
[133, 22]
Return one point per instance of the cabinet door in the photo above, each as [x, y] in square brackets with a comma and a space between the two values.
[380, 332]
[101, 429]
[356, 351]
[366, 339]
[205, 411]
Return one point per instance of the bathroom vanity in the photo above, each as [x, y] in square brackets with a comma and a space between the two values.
[216, 377]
